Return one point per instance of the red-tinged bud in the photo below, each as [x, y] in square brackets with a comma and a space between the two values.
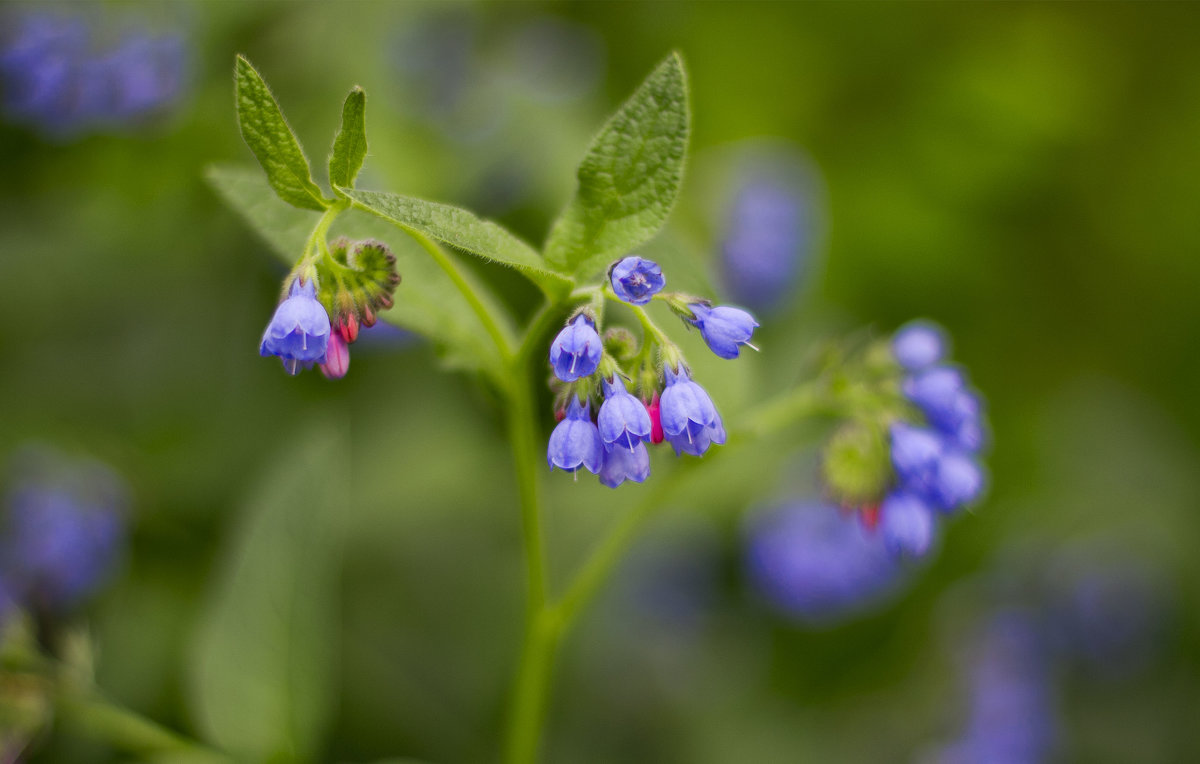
[656, 430]
[868, 515]
[337, 357]
[560, 414]
[348, 328]
[385, 301]
[368, 316]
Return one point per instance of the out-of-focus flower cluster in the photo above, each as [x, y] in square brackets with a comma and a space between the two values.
[62, 531]
[672, 406]
[59, 80]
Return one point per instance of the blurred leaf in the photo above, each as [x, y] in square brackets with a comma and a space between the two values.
[426, 302]
[629, 178]
[272, 141]
[350, 143]
[462, 229]
[263, 671]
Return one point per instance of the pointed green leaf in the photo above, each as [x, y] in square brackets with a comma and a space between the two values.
[462, 229]
[350, 144]
[426, 302]
[263, 671]
[274, 144]
[629, 179]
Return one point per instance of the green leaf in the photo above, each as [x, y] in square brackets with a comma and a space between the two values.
[463, 230]
[272, 141]
[426, 302]
[629, 179]
[350, 143]
[263, 670]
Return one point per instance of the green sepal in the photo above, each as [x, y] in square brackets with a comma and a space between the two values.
[629, 178]
[857, 465]
[621, 343]
[271, 139]
[350, 143]
[463, 230]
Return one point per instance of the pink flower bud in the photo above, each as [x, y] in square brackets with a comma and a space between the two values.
[337, 357]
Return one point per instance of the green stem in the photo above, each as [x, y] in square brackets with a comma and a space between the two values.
[128, 731]
[504, 342]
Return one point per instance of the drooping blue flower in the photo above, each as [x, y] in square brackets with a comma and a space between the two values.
[811, 564]
[936, 391]
[919, 344]
[915, 453]
[906, 524]
[957, 483]
[724, 329]
[299, 331]
[64, 529]
[636, 280]
[575, 352]
[575, 442]
[623, 420]
[689, 418]
[621, 464]
[767, 240]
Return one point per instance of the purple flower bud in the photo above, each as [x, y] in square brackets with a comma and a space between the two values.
[623, 420]
[811, 563]
[723, 328]
[919, 344]
[689, 418]
[337, 357]
[299, 330]
[635, 280]
[622, 464]
[575, 442]
[575, 352]
[906, 524]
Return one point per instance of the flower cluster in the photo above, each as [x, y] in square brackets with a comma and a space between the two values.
[54, 81]
[302, 333]
[672, 407]
[936, 463]
[63, 529]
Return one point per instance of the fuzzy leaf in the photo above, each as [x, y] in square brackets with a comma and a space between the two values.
[463, 230]
[629, 179]
[263, 674]
[350, 144]
[274, 144]
[426, 302]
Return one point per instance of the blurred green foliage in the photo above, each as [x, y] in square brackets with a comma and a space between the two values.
[1025, 174]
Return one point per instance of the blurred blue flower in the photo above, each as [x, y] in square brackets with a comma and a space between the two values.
[636, 280]
[767, 238]
[63, 530]
[53, 81]
[575, 352]
[919, 344]
[724, 328]
[808, 562]
[299, 331]
[906, 525]
[1011, 718]
[689, 419]
[575, 441]
[623, 420]
[621, 464]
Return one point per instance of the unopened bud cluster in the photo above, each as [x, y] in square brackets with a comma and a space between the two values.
[326, 303]
[668, 404]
